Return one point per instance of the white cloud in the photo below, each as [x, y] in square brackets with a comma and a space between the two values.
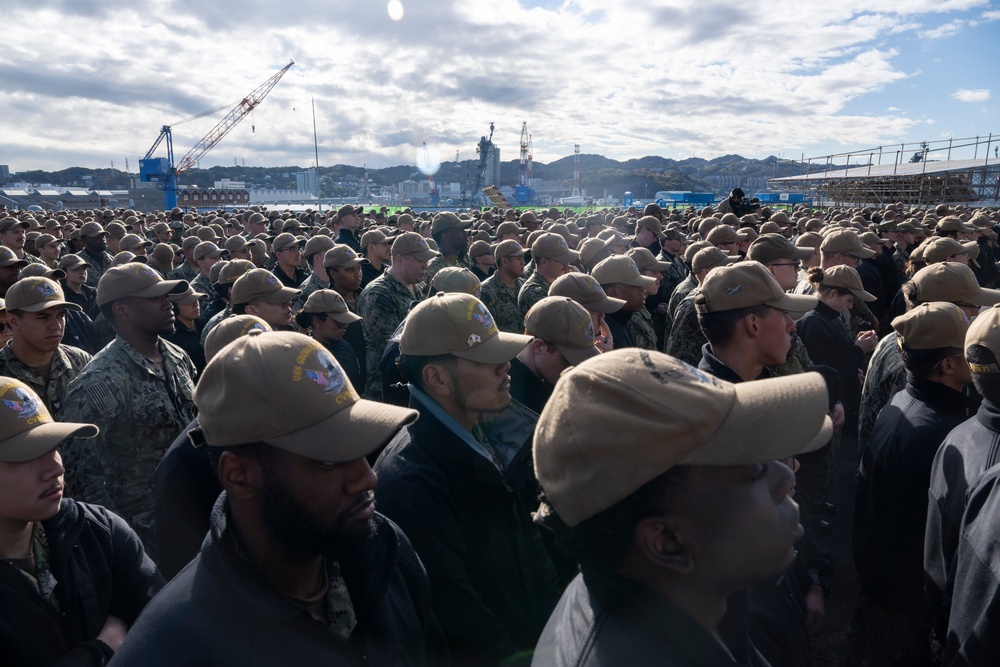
[944, 30]
[963, 95]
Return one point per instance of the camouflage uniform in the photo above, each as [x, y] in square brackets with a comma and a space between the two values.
[140, 407]
[383, 305]
[679, 294]
[672, 277]
[686, 337]
[308, 286]
[183, 272]
[900, 258]
[641, 326]
[94, 270]
[532, 291]
[67, 363]
[886, 375]
[204, 285]
[502, 303]
[796, 362]
[435, 265]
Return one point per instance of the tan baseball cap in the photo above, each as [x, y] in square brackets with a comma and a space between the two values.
[373, 236]
[953, 282]
[9, 223]
[318, 244]
[186, 297]
[592, 248]
[448, 220]
[461, 325]
[953, 223]
[456, 279]
[509, 227]
[329, 302]
[985, 331]
[694, 248]
[480, 248]
[35, 269]
[285, 389]
[508, 248]
[208, 249]
[940, 248]
[724, 234]
[286, 240]
[126, 257]
[552, 246]
[846, 277]
[26, 427]
[134, 279]
[586, 291]
[46, 239]
[745, 285]
[133, 241]
[620, 269]
[652, 223]
[623, 418]
[710, 258]
[92, 229]
[564, 323]
[8, 258]
[67, 262]
[260, 285]
[846, 242]
[931, 326]
[236, 243]
[35, 294]
[769, 247]
[412, 243]
[229, 329]
[233, 269]
[342, 255]
[645, 260]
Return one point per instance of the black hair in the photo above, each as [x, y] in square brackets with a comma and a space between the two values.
[411, 366]
[815, 277]
[719, 327]
[259, 450]
[240, 308]
[922, 363]
[986, 383]
[604, 540]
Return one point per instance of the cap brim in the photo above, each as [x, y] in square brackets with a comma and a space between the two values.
[640, 281]
[424, 255]
[19, 263]
[45, 305]
[576, 356]
[770, 420]
[31, 444]
[607, 305]
[863, 295]
[281, 296]
[568, 257]
[345, 318]
[802, 253]
[502, 347]
[865, 253]
[162, 288]
[795, 303]
[348, 435]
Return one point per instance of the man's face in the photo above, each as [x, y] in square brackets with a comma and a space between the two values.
[13, 238]
[346, 279]
[481, 387]
[411, 270]
[653, 288]
[785, 272]
[314, 506]
[379, 251]
[243, 253]
[350, 221]
[549, 361]
[454, 241]
[486, 260]
[49, 252]
[41, 331]
[31, 491]
[728, 248]
[254, 228]
[164, 236]
[275, 314]
[206, 263]
[150, 315]
[635, 297]
[846, 259]
[514, 265]
[740, 522]
[960, 258]
[98, 244]
[551, 269]
[290, 256]
[77, 276]
[674, 246]
[8, 275]
[777, 331]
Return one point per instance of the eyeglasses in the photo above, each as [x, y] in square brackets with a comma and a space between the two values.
[854, 257]
[5, 326]
[796, 264]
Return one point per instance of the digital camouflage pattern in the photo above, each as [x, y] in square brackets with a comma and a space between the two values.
[886, 375]
[383, 305]
[183, 272]
[502, 303]
[435, 265]
[532, 291]
[641, 326]
[140, 407]
[67, 363]
[203, 285]
[686, 337]
[308, 286]
[95, 270]
[214, 320]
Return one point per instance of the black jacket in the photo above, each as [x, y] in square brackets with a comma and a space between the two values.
[618, 325]
[221, 611]
[493, 582]
[102, 570]
[890, 513]
[828, 343]
[605, 620]
[967, 452]
[347, 237]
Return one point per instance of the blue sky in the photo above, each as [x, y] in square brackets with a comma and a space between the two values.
[88, 82]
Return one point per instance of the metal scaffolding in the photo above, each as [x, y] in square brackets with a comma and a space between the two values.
[953, 171]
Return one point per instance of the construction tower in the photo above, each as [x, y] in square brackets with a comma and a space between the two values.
[576, 170]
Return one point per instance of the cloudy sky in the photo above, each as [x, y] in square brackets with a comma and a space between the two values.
[90, 82]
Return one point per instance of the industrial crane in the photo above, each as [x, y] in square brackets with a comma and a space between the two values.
[163, 170]
[523, 194]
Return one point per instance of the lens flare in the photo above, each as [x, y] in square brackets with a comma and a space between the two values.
[395, 9]
[428, 160]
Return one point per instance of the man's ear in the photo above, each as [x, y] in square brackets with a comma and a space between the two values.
[240, 476]
[437, 379]
[661, 541]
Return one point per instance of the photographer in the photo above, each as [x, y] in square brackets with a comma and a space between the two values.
[737, 204]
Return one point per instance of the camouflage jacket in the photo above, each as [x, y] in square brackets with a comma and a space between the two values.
[214, 320]
[796, 362]
[676, 297]
[94, 269]
[672, 277]
[435, 265]
[140, 407]
[502, 303]
[641, 326]
[686, 337]
[901, 258]
[383, 305]
[205, 286]
[308, 286]
[183, 272]
[532, 291]
[885, 377]
[67, 363]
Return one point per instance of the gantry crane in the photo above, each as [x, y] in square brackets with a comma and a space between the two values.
[163, 170]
